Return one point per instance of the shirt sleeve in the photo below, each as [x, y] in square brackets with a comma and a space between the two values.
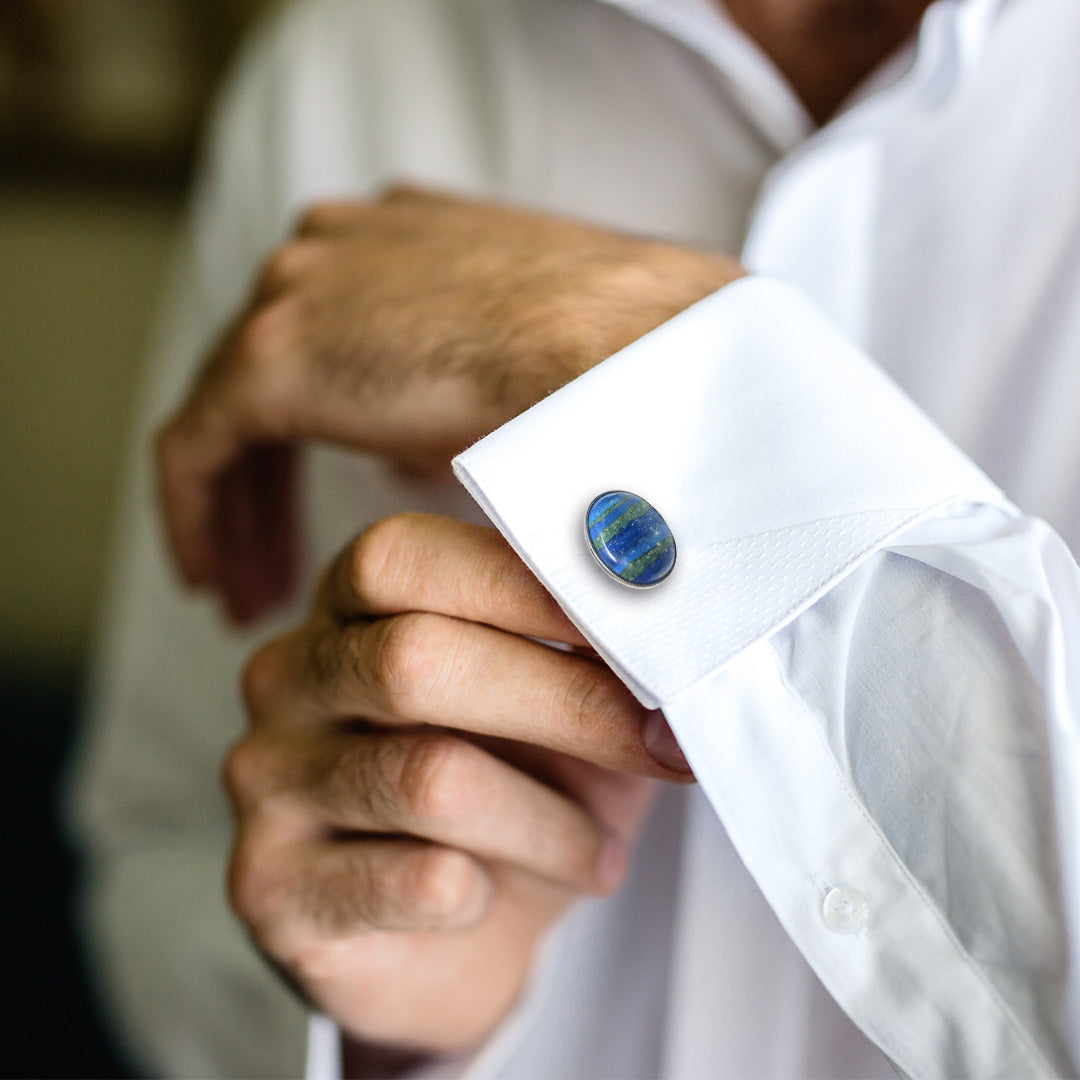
[866, 652]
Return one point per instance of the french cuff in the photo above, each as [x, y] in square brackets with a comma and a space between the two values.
[779, 456]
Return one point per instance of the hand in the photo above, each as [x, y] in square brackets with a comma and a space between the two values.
[408, 327]
[423, 790]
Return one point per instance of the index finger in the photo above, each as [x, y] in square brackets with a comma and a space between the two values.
[243, 397]
[426, 562]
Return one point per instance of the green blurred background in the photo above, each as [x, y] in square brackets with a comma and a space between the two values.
[100, 103]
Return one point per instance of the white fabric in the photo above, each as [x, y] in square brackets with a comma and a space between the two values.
[909, 736]
[820, 788]
[737, 415]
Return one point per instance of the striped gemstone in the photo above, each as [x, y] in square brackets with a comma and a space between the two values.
[630, 540]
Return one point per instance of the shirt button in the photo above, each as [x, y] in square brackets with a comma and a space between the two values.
[845, 910]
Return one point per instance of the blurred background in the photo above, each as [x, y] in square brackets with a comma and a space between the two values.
[100, 103]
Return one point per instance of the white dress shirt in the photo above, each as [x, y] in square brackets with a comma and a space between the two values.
[865, 649]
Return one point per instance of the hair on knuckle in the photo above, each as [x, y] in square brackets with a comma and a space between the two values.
[370, 777]
[344, 895]
[324, 659]
[336, 660]
[383, 666]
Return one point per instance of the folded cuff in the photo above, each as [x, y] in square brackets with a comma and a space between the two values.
[778, 454]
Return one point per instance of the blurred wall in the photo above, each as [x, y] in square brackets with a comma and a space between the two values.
[80, 273]
[99, 104]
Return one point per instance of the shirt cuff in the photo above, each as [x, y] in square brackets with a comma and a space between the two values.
[777, 453]
[782, 459]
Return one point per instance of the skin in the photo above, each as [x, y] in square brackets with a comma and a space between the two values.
[407, 327]
[423, 789]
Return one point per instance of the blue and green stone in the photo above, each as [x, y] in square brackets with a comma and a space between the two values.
[630, 540]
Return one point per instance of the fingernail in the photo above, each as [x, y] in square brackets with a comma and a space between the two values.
[660, 743]
[612, 864]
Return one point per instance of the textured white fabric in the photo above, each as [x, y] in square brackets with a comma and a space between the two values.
[936, 223]
[825, 747]
[735, 421]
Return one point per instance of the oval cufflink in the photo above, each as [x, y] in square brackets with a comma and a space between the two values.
[630, 539]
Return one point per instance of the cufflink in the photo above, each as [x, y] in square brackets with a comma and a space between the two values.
[629, 539]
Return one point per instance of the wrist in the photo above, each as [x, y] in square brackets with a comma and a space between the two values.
[630, 297]
[615, 295]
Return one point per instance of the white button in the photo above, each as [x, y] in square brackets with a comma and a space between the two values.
[845, 910]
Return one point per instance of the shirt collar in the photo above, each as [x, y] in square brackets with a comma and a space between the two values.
[761, 91]
[950, 42]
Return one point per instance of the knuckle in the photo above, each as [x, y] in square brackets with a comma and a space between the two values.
[260, 679]
[252, 885]
[332, 657]
[265, 370]
[401, 191]
[594, 709]
[403, 661]
[439, 883]
[282, 268]
[237, 772]
[318, 218]
[368, 556]
[358, 773]
[245, 772]
[582, 694]
[435, 778]
[263, 338]
[372, 557]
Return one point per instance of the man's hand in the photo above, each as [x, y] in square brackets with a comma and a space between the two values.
[408, 327]
[423, 790]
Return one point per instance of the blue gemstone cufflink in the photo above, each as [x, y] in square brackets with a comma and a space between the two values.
[629, 539]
